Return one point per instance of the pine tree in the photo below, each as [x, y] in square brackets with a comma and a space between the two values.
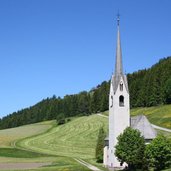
[100, 145]
[168, 91]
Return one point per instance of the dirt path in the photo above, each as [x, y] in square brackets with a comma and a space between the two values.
[19, 166]
[91, 167]
[102, 115]
[161, 128]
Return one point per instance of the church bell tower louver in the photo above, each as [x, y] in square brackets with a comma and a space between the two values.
[119, 107]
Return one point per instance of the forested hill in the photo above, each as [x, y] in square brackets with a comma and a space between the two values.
[148, 87]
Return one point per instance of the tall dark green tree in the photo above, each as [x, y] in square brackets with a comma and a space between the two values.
[84, 103]
[100, 145]
[104, 96]
[168, 91]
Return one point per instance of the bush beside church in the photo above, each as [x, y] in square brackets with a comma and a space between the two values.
[131, 149]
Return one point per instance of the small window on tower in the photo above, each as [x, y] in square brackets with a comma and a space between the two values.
[121, 86]
[121, 100]
[111, 102]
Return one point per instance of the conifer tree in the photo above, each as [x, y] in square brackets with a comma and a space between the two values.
[168, 91]
[100, 145]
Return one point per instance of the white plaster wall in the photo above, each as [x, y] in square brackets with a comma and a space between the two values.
[119, 119]
[105, 156]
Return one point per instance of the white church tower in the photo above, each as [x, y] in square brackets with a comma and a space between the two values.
[119, 108]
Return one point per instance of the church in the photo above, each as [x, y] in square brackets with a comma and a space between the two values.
[119, 111]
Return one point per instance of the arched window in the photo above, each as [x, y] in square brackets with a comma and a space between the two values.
[121, 100]
[121, 86]
[111, 102]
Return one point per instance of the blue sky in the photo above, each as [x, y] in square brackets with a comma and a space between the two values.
[66, 46]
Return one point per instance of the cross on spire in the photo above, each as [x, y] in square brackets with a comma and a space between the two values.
[118, 18]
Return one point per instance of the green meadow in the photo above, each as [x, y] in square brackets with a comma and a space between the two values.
[59, 146]
[75, 139]
[159, 115]
[8, 136]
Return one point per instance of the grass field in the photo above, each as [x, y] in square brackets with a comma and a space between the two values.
[159, 115]
[75, 139]
[9, 136]
[58, 163]
[46, 142]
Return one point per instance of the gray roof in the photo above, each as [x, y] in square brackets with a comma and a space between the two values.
[107, 138]
[142, 124]
[116, 80]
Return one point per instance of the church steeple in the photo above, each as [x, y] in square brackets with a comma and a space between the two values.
[119, 111]
[118, 64]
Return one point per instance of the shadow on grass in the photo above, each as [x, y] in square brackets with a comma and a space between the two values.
[18, 153]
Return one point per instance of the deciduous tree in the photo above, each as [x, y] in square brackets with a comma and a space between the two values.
[158, 153]
[130, 148]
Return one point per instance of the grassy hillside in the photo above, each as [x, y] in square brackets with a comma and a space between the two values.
[10, 154]
[75, 139]
[159, 115]
[47, 142]
[9, 136]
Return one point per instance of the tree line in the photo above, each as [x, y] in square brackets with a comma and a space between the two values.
[151, 87]
[148, 87]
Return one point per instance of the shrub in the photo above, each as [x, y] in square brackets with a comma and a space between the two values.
[130, 148]
[68, 120]
[158, 153]
[61, 122]
[60, 119]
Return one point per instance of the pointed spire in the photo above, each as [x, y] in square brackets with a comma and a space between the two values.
[118, 65]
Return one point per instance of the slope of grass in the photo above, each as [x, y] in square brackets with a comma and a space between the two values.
[8, 136]
[75, 139]
[168, 170]
[10, 154]
[158, 115]
[166, 134]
